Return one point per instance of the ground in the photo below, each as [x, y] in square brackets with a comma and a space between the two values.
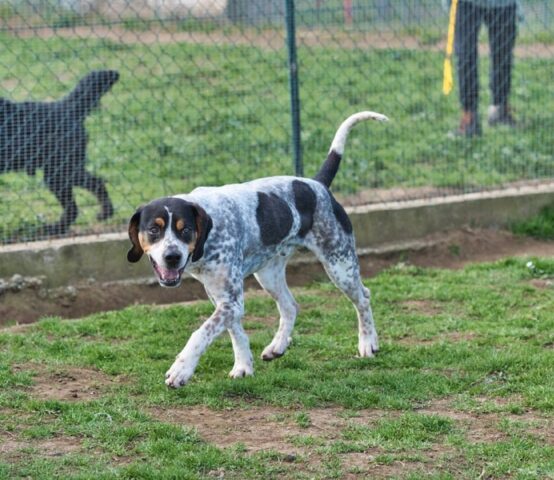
[282, 430]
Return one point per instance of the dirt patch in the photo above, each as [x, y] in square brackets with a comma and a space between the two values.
[303, 437]
[485, 427]
[448, 337]
[423, 307]
[267, 39]
[453, 249]
[256, 428]
[276, 429]
[458, 248]
[68, 384]
[16, 450]
[542, 283]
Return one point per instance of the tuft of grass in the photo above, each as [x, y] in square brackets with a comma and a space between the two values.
[541, 226]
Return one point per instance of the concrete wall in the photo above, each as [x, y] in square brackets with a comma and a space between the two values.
[378, 227]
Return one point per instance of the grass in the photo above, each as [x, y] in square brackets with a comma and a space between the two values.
[540, 226]
[462, 387]
[189, 114]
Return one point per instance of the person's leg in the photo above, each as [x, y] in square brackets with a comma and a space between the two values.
[501, 23]
[468, 23]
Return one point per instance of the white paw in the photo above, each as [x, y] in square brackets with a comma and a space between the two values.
[241, 370]
[275, 349]
[178, 375]
[368, 346]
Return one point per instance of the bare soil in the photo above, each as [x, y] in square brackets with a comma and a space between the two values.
[67, 384]
[266, 39]
[445, 250]
[278, 429]
[12, 449]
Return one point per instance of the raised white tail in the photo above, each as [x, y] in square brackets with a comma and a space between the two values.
[330, 167]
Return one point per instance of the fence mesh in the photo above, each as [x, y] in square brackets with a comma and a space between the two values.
[202, 98]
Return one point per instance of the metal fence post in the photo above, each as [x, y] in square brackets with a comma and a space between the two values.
[293, 83]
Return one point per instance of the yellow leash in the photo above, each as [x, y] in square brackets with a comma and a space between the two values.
[447, 81]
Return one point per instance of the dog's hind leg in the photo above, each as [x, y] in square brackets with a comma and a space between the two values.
[343, 269]
[97, 187]
[273, 280]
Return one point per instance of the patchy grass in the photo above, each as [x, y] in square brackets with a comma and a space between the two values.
[462, 388]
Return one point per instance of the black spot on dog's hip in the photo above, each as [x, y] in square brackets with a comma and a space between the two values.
[274, 218]
[305, 202]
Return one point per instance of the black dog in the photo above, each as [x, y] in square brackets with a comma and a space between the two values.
[52, 136]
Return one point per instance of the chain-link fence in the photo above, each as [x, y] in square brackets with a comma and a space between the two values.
[201, 97]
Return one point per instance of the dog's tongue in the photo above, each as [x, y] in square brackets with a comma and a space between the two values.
[168, 274]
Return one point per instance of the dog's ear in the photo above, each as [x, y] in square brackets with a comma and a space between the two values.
[203, 226]
[136, 251]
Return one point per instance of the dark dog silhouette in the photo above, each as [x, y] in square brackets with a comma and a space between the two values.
[52, 136]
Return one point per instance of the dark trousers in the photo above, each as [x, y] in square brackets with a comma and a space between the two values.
[501, 24]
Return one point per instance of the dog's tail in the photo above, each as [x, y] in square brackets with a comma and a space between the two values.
[330, 167]
[86, 95]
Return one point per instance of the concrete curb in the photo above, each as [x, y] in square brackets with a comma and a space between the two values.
[381, 227]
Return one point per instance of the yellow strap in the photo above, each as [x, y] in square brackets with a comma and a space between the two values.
[447, 81]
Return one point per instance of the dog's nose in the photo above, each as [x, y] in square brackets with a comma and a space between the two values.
[172, 258]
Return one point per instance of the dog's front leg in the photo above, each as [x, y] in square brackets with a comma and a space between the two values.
[226, 316]
[184, 365]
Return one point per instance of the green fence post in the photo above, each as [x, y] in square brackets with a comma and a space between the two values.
[293, 83]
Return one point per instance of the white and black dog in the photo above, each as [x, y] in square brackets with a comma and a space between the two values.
[220, 235]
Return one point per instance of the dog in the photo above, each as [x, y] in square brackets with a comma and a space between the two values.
[220, 235]
[51, 136]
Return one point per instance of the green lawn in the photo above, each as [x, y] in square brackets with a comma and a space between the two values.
[463, 387]
[189, 114]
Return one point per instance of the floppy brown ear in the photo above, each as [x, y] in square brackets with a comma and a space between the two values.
[136, 251]
[203, 226]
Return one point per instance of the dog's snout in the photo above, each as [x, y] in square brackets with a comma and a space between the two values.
[172, 257]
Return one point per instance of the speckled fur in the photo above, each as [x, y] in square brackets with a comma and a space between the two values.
[244, 241]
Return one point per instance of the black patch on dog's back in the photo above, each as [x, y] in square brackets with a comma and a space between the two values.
[340, 214]
[274, 218]
[305, 202]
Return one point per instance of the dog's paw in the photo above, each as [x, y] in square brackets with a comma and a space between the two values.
[178, 375]
[241, 370]
[275, 349]
[368, 346]
[366, 351]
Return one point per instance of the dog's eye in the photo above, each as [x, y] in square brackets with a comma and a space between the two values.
[186, 230]
[154, 230]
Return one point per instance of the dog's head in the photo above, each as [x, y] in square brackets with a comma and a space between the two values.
[172, 232]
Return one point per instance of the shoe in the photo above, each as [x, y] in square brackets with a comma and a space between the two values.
[470, 125]
[500, 115]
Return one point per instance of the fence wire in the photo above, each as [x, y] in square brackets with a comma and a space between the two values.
[196, 92]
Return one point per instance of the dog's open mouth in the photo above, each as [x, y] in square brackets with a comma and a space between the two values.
[168, 277]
